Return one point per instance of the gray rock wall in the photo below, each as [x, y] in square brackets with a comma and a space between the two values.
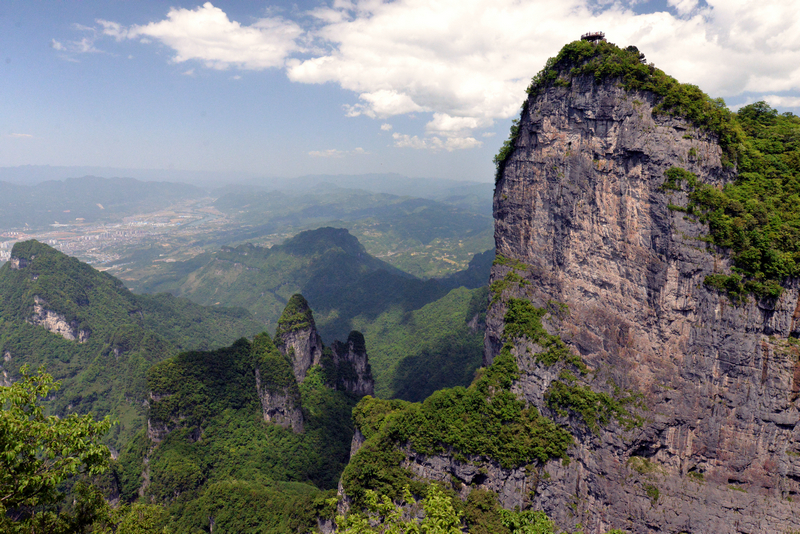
[358, 380]
[304, 348]
[580, 204]
[280, 405]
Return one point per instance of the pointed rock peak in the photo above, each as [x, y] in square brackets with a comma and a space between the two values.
[297, 338]
[356, 341]
[296, 316]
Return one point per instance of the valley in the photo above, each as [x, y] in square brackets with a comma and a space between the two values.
[423, 236]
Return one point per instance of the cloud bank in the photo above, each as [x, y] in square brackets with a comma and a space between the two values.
[465, 63]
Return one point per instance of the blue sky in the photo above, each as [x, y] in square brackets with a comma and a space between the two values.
[416, 87]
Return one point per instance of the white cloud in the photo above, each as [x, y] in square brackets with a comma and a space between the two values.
[782, 101]
[464, 64]
[334, 153]
[383, 103]
[407, 141]
[189, 72]
[84, 46]
[444, 124]
[434, 143]
[113, 29]
[73, 48]
[776, 101]
[207, 34]
[683, 7]
[20, 135]
[386, 127]
[469, 61]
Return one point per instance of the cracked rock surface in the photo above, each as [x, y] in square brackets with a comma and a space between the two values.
[580, 204]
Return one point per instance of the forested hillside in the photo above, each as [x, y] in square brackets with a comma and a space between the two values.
[416, 329]
[218, 448]
[96, 336]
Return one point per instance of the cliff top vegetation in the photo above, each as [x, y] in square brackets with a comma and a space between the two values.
[296, 316]
[757, 217]
[608, 61]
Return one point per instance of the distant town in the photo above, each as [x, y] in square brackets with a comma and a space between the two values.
[102, 244]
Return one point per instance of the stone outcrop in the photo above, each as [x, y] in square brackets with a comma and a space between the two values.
[297, 338]
[56, 323]
[5, 381]
[276, 385]
[19, 263]
[580, 213]
[280, 404]
[346, 365]
[351, 366]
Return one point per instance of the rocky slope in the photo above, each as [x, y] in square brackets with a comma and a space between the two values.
[582, 219]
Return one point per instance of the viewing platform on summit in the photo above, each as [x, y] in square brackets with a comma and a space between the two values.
[593, 37]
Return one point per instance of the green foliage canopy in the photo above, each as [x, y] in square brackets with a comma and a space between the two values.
[756, 217]
[39, 452]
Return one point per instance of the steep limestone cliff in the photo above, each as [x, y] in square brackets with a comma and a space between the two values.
[671, 405]
[350, 366]
[582, 219]
[276, 386]
[297, 338]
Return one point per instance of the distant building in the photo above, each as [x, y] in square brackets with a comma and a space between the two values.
[593, 37]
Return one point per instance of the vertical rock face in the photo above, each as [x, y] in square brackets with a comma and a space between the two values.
[351, 366]
[280, 405]
[276, 386]
[5, 381]
[580, 213]
[297, 338]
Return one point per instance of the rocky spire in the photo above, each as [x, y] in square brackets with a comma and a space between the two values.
[297, 338]
[582, 217]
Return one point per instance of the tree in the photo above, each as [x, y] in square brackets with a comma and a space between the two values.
[386, 517]
[39, 453]
[138, 518]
